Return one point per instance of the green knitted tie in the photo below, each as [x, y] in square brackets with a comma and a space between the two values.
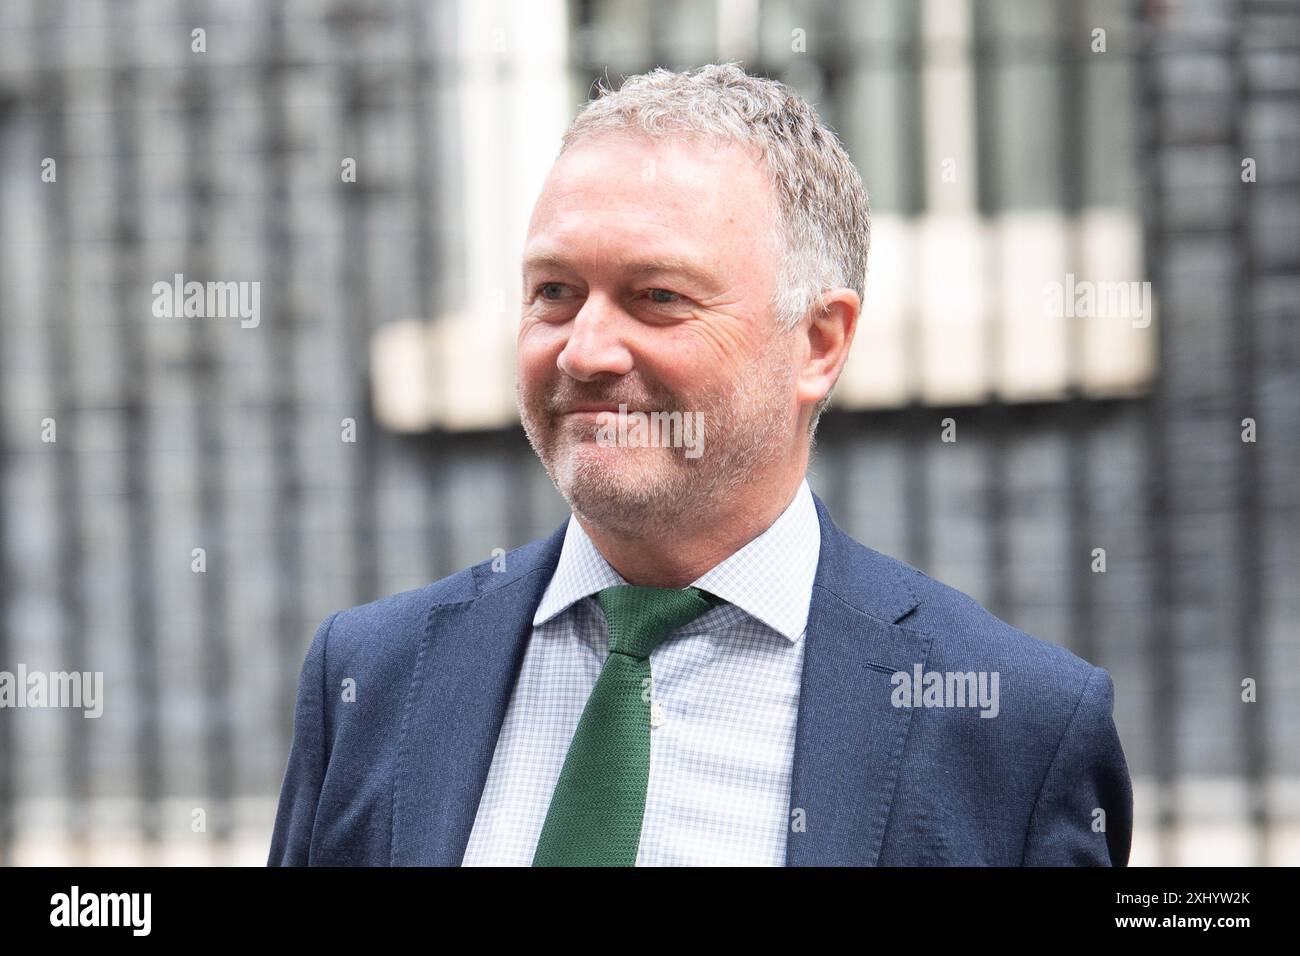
[599, 800]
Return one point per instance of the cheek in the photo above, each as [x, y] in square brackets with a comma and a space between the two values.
[536, 350]
[703, 353]
[673, 361]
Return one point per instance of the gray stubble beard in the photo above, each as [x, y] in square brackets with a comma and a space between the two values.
[694, 490]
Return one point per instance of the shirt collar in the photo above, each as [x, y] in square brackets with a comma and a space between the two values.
[770, 578]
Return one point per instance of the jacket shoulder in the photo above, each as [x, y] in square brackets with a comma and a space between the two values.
[966, 631]
[393, 625]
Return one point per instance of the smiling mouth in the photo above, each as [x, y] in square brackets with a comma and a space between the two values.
[598, 410]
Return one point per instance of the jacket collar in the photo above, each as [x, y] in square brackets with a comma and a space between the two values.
[848, 741]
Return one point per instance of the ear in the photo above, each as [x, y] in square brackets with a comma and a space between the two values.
[830, 333]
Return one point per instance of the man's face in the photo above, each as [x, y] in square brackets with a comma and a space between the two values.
[648, 274]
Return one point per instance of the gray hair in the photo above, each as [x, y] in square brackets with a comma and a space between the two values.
[822, 212]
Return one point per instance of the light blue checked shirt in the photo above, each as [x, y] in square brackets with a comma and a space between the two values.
[725, 700]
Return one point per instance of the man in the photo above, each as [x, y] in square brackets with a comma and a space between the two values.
[698, 667]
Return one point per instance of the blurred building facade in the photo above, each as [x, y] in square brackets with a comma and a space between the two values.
[217, 486]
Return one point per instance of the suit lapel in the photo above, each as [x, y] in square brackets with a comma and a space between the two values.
[468, 661]
[848, 741]
[849, 738]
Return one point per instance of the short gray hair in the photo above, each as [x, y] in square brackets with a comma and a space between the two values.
[822, 211]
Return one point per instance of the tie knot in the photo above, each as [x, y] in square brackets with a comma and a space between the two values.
[641, 618]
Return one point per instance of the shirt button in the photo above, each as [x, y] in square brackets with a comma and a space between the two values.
[657, 715]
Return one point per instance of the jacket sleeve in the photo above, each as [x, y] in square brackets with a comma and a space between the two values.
[1083, 815]
[308, 757]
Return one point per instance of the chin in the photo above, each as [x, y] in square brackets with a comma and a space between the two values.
[609, 487]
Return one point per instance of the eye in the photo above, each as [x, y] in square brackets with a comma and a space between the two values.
[541, 290]
[663, 296]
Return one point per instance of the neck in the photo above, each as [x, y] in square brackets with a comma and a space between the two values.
[677, 561]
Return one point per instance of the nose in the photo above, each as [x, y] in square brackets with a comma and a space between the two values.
[595, 346]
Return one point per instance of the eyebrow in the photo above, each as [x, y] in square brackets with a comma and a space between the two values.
[665, 264]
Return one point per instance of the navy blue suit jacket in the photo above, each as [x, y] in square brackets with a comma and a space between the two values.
[395, 775]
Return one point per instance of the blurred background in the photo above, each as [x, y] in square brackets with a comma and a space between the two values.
[1086, 254]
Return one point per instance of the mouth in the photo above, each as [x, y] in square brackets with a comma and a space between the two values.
[596, 410]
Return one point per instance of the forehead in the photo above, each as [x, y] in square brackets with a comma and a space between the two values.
[629, 187]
